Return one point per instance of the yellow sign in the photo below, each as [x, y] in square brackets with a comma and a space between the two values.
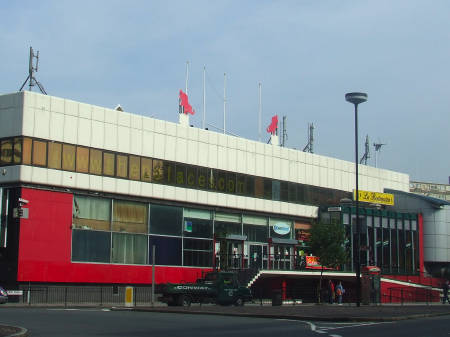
[375, 197]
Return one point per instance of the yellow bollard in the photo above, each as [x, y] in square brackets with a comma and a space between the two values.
[129, 297]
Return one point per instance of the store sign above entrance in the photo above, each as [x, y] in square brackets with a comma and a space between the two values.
[281, 228]
[375, 197]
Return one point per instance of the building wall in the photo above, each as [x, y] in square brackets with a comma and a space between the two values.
[58, 119]
[436, 226]
[45, 249]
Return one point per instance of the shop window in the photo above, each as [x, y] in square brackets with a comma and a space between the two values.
[158, 171]
[167, 250]
[255, 228]
[268, 189]
[284, 191]
[276, 190]
[68, 157]
[231, 183]
[129, 216]
[250, 186]
[221, 181]
[91, 246]
[95, 161]
[109, 160]
[191, 177]
[202, 178]
[197, 223]
[54, 155]
[6, 151]
[197, 253]
[226, 224]
[129, 248]
[122, 166]
[91, 213]
[166, 220]
[180, 179]
[169, 173]
[146, 169]
[17, 150]
[26, 151]
[135, 168]
[292, 192]
[82, 161]
[39, 153]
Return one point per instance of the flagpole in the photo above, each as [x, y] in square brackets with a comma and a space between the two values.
[187, 76]
[224, 101]
[259, 113]
[204, 98]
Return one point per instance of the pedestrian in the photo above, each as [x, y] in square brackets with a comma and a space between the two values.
[330, 292]
[339, 292]
[445, 292]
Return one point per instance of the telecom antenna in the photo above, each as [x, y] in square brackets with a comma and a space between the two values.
[31, 70]
[377, 149]
[366, 152]
[309, 146]
[284, 133]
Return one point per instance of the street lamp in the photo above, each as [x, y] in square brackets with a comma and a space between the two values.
[357, 98]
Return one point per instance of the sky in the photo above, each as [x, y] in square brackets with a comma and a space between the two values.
[307, 54]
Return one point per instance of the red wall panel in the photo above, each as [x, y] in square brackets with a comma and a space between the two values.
[45, 249]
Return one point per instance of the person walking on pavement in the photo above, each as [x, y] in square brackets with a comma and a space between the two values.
[330, 292]
[445, 292]
[339, 292]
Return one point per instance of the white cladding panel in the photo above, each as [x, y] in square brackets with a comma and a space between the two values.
[65, 120]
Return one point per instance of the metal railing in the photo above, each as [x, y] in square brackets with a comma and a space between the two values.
[83, 295]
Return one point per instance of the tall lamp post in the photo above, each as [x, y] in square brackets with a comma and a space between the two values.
[357, 98]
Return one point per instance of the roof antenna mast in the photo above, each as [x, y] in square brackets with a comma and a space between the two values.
[377, 149]
[366, 152]
[309, 147]
[31, 70]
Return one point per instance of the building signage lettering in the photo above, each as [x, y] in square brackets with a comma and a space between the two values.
[281, 228]
[375, 197]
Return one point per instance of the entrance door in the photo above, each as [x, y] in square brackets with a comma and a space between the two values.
[256, 256]
[229, 254]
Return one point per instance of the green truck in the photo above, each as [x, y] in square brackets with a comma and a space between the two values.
[215, 287]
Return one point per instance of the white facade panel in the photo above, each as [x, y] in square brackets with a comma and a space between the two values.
[203, 151]
[98, 134]
[136, 142]
[71, 108]
[111, 116]
[57, 104]
[170, 151]
[123, 139]
[85, 111]
[98, 113]
[124, 119]
[70, 129]
[28, 125]
[111, 137]
[181, 150]
[231, 159]
[84, 132]
[56, 126]
[160, 149]
[82, 181]
[54, 177]
[95, 183]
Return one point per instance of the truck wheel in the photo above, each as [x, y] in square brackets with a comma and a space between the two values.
[239, 302]
[184, 301]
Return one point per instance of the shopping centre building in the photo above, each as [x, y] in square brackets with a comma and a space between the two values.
[86, 193]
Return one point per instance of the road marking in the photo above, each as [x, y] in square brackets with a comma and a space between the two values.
[335, 336]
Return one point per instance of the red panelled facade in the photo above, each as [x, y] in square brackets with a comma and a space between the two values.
[45, 249]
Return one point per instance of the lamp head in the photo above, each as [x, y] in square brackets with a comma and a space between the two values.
[356, 97]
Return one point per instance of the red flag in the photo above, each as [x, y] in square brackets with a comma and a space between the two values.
[272, 128]
[187, 108]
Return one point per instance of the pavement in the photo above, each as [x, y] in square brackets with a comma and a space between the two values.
[312, 312]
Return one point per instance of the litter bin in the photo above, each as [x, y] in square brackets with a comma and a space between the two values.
[276, 297]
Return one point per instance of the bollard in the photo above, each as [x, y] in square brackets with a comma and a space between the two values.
[129, 294]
